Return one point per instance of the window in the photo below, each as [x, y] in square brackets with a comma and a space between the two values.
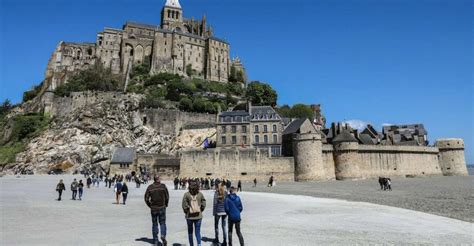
[223, 140]
[265, 128]
[234, 140]
[234, 129]
[244, 129]
[244, 139]
[275, 139]
[265, 139]
[257, 139]
[274, 128]
[224, 129]
[256, 128]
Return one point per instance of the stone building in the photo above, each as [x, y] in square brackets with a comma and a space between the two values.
[178, 45]
[123, 161]
[258, 127]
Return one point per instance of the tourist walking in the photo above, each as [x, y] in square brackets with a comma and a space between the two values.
[176, 183]
[74, 185]
[157, 198]
[118, 191]
[219, 213]
[80, 187]
[239, 186]
[194, 204]
[389, 184]
[60, 187]
[89, 182]
[270, 181]
[233, 207]
[255, 182]
[228, 184]
[124, 192]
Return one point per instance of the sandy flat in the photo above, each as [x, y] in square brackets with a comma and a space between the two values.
[446, 196]
[31, 216]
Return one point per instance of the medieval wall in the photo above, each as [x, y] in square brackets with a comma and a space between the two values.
[236, 164]
[372, 161]
[170, 122]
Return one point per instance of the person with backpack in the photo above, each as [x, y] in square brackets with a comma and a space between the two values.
[118, 191]
[80, 187]
[219, 213]
[124, 192]
[60, 187]
[74, 185]
[233, 208]
[193, 205]
[157, 198]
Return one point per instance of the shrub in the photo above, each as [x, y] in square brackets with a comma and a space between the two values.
[161, 79]
[96, 78]
[28, 95]
[186, 104]
[261, 94]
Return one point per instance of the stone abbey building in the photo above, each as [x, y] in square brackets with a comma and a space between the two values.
[181, 46]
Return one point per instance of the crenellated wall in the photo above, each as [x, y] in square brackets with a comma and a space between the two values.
[236, 164]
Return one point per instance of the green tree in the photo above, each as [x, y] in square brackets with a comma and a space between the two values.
[96, 78]
[5, 107]
[261, 94]
[284, 111]
[301, 111]
[199, 105]
[28, 95]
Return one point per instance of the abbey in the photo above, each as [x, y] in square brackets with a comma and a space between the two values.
[181, 46]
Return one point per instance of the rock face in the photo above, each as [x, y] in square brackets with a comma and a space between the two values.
[86, 138]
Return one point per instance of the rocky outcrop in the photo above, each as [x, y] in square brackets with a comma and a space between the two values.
[87, 136]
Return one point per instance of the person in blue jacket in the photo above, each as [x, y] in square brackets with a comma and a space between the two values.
[233, 208]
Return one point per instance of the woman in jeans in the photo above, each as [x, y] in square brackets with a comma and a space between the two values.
[194, 204]
[219, 213]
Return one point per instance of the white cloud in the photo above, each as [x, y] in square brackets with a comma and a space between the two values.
[357, 124]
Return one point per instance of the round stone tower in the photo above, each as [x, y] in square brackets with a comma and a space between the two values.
[346, 157]
[451, 156]
[307, 151]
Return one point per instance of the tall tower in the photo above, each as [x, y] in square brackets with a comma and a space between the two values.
[171, 15]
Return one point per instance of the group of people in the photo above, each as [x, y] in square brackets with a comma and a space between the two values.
[385, 183]
[205, 183]
[225, 205]
[76, 187]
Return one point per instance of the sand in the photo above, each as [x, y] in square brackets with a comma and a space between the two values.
[31, 216]
[451, 197]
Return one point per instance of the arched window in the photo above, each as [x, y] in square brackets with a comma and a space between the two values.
[275, 139]
[257, 139]
[169, 13]
[89, 51]
[265, 138]
[177, 15]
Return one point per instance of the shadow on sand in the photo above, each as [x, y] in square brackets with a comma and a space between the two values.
[150, 241]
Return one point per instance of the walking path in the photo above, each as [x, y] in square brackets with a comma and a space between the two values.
[30, 215]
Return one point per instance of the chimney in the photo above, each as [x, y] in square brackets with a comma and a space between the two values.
[249, 106]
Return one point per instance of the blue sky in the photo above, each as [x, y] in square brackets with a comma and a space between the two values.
[377, 61]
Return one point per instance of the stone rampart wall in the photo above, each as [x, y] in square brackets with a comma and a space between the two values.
[236, 164]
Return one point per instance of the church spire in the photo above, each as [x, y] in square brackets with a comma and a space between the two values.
[173, 4]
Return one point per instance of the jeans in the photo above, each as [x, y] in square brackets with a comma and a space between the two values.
[80, 193]
[124, 195]
[158, 216]
[224, 226]
[60, 193]
[239, 234]
[197, 229]
[74, 194]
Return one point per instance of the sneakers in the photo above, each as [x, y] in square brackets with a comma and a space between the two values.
[164, 241]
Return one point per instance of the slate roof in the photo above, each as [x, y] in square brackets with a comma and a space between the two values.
[344, 136]
[234, 113]
[264, 113]
[294, 126]
[366, 139]
[123, 155]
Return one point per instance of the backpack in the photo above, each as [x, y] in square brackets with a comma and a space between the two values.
[194, 209]
[119, 187]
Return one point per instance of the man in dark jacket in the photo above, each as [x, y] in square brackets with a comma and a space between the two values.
[59, 188]
[233, 208]
[157, 198]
